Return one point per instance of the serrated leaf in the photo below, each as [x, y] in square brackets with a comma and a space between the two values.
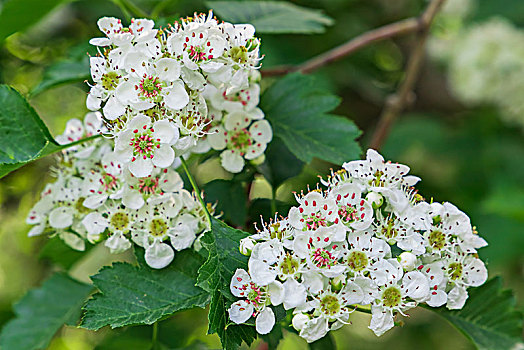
[17, 15]
[62, 73]
[230, 198]
[489, 318]
[24, 136]
[43, 311]
[131, 295]
[231, 335]
[273, 17]
[222, 244]
[298, 108]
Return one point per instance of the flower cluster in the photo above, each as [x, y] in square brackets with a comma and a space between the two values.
[186, 88]
[96, 198]
[367, 241]
[485, 60]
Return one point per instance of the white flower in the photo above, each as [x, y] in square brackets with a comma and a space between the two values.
[364, 252]
[408, 261]
[239, 141]
[76, 130]
[393, 298]
[254, 304]
[144, 145]
[354, 211]
[105, 183]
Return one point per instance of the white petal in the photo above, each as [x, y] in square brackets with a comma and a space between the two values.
[73, 241]
[164, 156]
[265, 321]
[232, 161]
[176, 96]
[94, 223]
[457, 298]
[295, 294]
[240, 311]
[165, 131]
[217, 138]
[100, 42]
[276, 293]
[141, 167]
[239, 279]
[314, 329]
[133, 199]
[168, 69]
[61, 217]
[416, 285]
[381, 321]
[113, 108]
[117, 243]
[261, 273]
[261, 131]
[159, 255]
[94, 201]
[476, 273]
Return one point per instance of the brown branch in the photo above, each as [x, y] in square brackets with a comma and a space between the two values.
[394, 29]
[398, 101]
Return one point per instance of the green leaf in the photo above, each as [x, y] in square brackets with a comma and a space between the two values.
[298, 111]
[42, 311]
[489, 318]
[131, 295]
[273, 17]
[262, 207]
[222, 244]
[280, 163]
[24, 136]
[230, 197]
[17, 15]
[59, 253]
[325, 343]
[62, 73]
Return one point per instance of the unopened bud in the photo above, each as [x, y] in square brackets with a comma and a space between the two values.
[376, 199]
[246, 246]
[299, 321]
[408, 261]
[337, 282]
[258, 160]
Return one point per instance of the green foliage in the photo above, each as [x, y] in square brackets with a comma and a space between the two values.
[24, 135]
[222, 244]
[280, 163]
[62, 73]
[131, 295]
[489, 318]
[59, 253]
[42, 311]
[230, 197]
[274, 17]
[298, 111]
[17, 15]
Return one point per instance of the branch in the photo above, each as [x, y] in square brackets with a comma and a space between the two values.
[398, 101]
[388, 31]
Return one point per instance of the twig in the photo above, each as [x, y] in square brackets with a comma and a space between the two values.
[394, 29]
[397, 102]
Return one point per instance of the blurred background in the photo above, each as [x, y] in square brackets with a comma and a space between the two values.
[463, 135]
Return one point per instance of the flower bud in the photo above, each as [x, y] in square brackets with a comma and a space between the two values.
[258, 160]
[408, 261]
[246, 246]
[337, 282]
[375, 199]
[299, 321]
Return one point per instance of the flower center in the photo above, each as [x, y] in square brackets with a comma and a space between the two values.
[144, 144]
[148, 185]
[358, 261]
[238, 54]
[79, 206]
[110, 80]
[437, 239]
[377, 180]
[389, 231]
[314, 221]
[455, 270]
[275, 232]
[119, 221]
[255, 295]
[323, 258]
[391, 297]
[330, 305]
[149, 87]
[348, 213]
[241, 140]
[108, 181]
[157, 227]
[288, 266]
[242, 96]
